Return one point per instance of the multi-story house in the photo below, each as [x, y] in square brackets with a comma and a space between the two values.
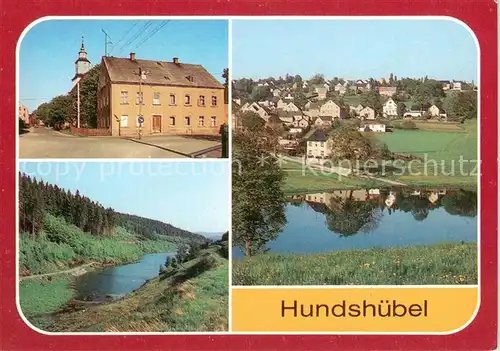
[321, 91]
[323, 122]
[387, 91]
[390, 108]
[256, 108]
[171, 97]
[435, 111]
[330, 108]
[317, 146]
[367, 113]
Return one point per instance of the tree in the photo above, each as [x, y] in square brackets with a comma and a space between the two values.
[347, 143]
[317, 79]
[252, 121]
[260, 93]
[401, 109]
[61, 111]
[297, 79]
[464, 106]
[258, 199]
[372, 99]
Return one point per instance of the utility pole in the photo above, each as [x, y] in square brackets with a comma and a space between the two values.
[107, 40]
[78, 103]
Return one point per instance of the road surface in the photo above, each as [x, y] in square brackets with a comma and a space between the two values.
[47, 143]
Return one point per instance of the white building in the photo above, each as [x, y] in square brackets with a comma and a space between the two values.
[373, 127]
[390, 108]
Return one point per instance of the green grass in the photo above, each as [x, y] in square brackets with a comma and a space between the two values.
[43, 296]
[448, 263]
[444, 147]
[192, 298]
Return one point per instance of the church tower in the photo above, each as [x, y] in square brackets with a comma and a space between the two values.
[82, 64]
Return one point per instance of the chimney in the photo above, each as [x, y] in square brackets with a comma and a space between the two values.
[176, 60]
[132, 56]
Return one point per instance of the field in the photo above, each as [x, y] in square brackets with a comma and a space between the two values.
[416, 265]
[303, 181]
[441, 150]
[191, 298]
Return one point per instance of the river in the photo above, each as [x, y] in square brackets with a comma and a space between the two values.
[115, 282]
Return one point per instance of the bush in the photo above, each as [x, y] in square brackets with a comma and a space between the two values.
[406, 124]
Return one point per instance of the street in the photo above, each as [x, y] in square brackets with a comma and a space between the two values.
[47, 143]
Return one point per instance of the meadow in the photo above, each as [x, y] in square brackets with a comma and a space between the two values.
[447, 263]
[193, 297]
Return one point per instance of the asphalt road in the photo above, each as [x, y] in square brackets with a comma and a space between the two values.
[47, 143]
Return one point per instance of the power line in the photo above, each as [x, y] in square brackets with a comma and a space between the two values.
[130, 41]
[152, 33]
[125, 35]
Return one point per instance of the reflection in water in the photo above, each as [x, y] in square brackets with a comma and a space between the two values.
[376, 218]
[118, 281]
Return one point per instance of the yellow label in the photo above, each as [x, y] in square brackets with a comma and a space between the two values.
[368, 310]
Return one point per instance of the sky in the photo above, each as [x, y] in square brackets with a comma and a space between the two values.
[353, 49]
[49, 49]
[189, 195]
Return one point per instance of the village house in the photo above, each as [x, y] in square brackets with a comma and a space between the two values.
[288, 97]
[330, 108]
[387, 91]
[341, 89]
[321, 91]
[277, 92]
[373, 127]
[256, 108]
[24, 114]
[280, 103]
[446, 84]
[311, 109]
[356, 109]
[295, 130]
[435, 111]
[266, 103]
[317, 145]
[289, 107]
[390, 108]
[301, 122]
[412, 114]
[367, 113]
[457, 86]
[237, 101]
[323, 122]
[171, 97]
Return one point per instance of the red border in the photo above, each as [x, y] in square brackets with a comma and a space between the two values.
[480, 15]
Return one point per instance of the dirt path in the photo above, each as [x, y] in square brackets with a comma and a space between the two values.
[76, 271]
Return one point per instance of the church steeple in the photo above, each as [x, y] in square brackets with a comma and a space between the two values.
[82, 63]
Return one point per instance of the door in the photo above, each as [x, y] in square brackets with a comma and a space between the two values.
[156, 124]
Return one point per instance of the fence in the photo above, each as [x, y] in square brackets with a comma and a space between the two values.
[90, 131]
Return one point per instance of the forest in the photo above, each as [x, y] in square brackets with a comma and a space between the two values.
[38, 198]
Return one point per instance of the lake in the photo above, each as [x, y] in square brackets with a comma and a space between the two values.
[115, 282]
[369, 218]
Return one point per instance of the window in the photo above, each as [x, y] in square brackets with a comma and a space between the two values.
[124, 97]
[156, 98]
[172, 121]
[213, 121]
[202, 100]
[214, 100]
[140, 98]
[187, 121]
[124, 121]
[172, 99]
[187, 99]
[201, 121]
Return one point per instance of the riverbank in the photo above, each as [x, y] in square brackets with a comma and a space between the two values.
[441, 264]
[193, 297]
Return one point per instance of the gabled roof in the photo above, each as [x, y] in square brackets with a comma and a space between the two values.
[318, 135]
[125, 70]
[325, 118]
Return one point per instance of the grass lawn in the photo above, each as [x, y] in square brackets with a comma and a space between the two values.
[44, 296]
[444, 147]
[448, 263]
[191, 298]
[308, 180]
